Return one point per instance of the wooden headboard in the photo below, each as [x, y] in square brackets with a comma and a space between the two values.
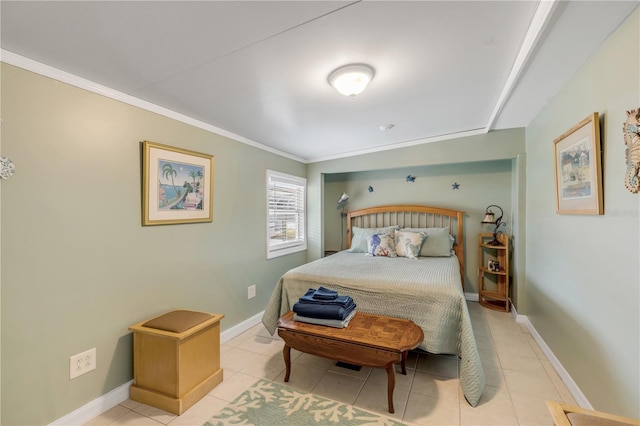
[411, 216]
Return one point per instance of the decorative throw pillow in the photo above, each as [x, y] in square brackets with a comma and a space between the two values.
[381, 245]
[361, 235]
[438, 243]
[408, 244]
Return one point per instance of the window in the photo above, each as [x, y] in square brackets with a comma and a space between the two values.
[286, 211]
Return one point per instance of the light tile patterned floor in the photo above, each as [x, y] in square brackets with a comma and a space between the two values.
[518, 380]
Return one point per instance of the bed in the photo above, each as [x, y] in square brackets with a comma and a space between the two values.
[427, 288]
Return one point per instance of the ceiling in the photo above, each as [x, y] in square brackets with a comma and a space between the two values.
[257, 71]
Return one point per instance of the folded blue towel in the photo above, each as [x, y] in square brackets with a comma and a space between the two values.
[312, 310]
[339, 300]
[325, 294]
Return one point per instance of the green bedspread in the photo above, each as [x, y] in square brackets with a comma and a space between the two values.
[427, 291]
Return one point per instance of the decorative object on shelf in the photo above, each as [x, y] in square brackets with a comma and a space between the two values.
[7, 168]
[578, 169]
[631, 130]
[493, 266]
[490, 217]
[411, 178]
[493, 271]
[178, 185]
[455, 185]
[350, 80]
[370, 189]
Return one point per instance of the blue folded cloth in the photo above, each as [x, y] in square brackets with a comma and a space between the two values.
[339, 300]
[325, 294]
[313, 310]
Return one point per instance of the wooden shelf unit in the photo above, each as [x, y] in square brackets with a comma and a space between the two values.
[493, 285]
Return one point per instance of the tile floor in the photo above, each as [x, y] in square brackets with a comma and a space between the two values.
[518, 376]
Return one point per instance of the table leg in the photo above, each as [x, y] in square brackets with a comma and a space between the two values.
[286, 353]
[404, 362]
[391, 384]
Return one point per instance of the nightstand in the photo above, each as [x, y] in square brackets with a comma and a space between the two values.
[493, 272]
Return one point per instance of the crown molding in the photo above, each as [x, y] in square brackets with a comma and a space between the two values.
[413, 142]
[82, 83]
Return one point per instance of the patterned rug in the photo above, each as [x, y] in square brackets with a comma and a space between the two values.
[271, 404]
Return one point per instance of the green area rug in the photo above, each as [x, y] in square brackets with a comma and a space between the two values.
[271, 404]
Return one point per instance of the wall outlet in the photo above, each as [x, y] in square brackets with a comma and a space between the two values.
[82, 363]
[251, 291]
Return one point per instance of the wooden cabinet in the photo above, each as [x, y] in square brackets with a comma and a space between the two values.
[175, 366]
[493, 272]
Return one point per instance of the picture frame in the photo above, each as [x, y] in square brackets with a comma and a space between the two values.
[177, 185]
[578, 169]
[493, 266]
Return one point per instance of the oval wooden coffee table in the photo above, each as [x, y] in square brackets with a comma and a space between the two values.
[369, 340]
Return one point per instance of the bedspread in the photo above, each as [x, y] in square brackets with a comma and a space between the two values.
[425, 290]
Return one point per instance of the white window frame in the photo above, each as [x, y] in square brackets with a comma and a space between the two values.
[284, 180]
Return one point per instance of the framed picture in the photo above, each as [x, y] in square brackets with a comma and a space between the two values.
[177, 187]
[578, 169]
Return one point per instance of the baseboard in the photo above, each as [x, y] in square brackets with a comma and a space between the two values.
[121, 393]
[96, 407]
[573, 388]
[240, 328]
[472, 297]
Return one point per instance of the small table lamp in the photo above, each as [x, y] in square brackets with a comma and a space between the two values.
[490, 217]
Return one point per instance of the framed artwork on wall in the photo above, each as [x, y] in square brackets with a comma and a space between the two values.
[177, 185]
[578, 169]
[631, 131]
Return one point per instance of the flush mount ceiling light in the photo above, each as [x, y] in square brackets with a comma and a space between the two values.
[352, 79]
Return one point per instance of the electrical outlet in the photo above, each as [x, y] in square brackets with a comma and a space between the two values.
[251, 292]
[82, 363]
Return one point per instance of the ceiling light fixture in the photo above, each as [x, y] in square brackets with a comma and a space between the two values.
[351, 79]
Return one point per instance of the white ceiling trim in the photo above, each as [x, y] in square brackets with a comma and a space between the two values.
[65, 77]
[399, 145]
[537, 26]
[82, 83]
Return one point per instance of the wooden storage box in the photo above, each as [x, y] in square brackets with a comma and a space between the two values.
[176, 359]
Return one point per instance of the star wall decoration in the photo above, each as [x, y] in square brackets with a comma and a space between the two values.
[455, 185]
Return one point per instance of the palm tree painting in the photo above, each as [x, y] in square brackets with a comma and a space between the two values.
[181, 197]
[177, 185]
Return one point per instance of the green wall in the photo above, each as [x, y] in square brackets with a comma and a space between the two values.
[484, 165]
[78, 268]
[481, 184]
[582, 271]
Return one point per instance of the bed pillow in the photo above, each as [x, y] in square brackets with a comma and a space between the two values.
[381, 245]
[438, 243]
[361, 235]
[408, 244]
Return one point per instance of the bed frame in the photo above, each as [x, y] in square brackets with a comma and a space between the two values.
[411, 216]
